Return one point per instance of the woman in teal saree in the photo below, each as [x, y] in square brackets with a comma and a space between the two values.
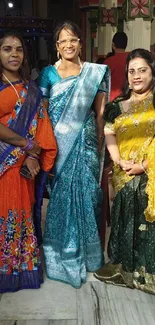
[71, 241]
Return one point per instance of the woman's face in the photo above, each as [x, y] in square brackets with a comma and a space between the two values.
[139, 75]
[68, 44]
[11, 54]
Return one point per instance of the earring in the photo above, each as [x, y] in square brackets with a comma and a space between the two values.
[80, 52]
[58, 55]
[130, 87]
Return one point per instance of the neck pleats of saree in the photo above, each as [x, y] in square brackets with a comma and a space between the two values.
[135, 134]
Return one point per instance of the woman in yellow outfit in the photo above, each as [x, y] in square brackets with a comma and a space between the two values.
[130, 138]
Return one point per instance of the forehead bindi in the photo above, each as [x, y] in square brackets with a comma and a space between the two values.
[12, 42]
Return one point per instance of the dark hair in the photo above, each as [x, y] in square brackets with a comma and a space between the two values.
[67, 25]
[120, 40]
[152, 48]
[100, 60]
[149, 58]
[42, 64]
[24, 69]
[109, 54]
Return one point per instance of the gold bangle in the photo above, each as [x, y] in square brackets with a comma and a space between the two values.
[142, 166]
[35, 155]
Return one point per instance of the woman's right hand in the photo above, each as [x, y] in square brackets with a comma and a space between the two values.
[32, 165]
[131, 168]
[126, 164]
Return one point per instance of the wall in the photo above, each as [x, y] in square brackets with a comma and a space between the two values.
[153, 32]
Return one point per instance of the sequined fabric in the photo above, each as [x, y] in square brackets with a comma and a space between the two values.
[132, 240]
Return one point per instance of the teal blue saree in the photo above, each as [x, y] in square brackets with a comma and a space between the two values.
[71, 241]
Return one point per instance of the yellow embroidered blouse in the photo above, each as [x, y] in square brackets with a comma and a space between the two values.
[135, 134]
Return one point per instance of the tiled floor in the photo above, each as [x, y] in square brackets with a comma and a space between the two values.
[94, 304]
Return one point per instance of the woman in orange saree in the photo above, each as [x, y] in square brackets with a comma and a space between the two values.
[22, 111]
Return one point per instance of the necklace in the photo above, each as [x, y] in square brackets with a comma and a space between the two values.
[135, 108]
[11, 86]
[57, 64]
[80, 63]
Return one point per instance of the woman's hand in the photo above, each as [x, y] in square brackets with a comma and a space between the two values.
[131, 168]
[36, 148]
[32, 165]
[126, 164]
[136, 169]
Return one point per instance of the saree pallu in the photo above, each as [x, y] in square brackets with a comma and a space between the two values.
[131, 247]
[71, 241]
[20, 265]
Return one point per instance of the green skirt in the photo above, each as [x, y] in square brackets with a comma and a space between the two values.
[131, 247]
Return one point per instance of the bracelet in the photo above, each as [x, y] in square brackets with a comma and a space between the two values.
[118, 161]
[35, 157]
[29, 145]
[51, 175]
[142, 166]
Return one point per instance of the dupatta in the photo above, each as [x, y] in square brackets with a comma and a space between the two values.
[22, 122]
[74, 96]
[135, 133]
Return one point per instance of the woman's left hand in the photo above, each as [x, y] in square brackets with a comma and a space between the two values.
[133, 169]
[32, 165]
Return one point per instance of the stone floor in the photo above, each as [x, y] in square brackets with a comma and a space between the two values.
[94, 304]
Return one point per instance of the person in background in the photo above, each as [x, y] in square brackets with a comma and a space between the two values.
[39, 66]
[130, 138]
[75, 93]
[109, 54]
[116, 60]
[100, 61]
[152, 49]
[117, 63]
[26, 123]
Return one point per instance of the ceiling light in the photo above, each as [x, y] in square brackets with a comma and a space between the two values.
[10, 4]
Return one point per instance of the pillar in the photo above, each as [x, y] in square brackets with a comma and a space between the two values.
[107, 26]
[137, 24]
[84, 33]
[41, 8]
[93, 19]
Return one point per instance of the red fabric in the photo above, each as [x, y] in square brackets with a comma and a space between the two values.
[117, 64]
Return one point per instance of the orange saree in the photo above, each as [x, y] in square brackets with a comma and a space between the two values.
[20, 266]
